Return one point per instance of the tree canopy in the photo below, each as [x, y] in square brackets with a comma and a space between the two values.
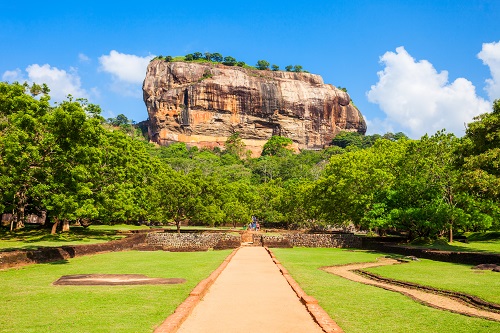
[68, 162]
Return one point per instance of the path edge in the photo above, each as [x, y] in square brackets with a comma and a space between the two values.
[320, 316]
[175, 320]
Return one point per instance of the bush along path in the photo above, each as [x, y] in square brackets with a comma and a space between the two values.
[439, 299]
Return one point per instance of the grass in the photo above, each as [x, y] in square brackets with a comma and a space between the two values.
[361, 308]
[477, 242]
[448, 276]
[31, 238]
[30, 303]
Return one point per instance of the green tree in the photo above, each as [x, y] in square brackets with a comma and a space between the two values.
[481, 154]
[235, 145]
[275, 68]
[277, 146]
[262, 65]
[297, 68]
[229, 61]
[289, 68]
[216, 57]
[355, 182]
[197, 55]
[26, 147]
[345, 139]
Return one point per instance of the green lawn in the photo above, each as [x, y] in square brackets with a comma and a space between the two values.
[477, 242]
[35, 237]
[448, 276]
[30, 303]
[361, 308]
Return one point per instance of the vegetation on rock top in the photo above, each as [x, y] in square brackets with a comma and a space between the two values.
[228, 61]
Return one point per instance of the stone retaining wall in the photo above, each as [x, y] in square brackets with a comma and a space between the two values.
[193, 242]
[324, 240]
[309, 240]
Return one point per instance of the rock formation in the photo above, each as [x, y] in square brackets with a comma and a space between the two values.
[202, 104]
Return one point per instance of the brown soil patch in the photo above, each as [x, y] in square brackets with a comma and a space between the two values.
[112, 280]
[427, 297]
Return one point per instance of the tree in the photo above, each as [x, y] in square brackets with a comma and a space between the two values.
[26, 147]
[239, 200]
[297, 68]
[262, 65]
[189, 57]
[289, 68]
[355, 182]
[345, 139]
[235, 145]
[481, 154]
[229, 61]
[240, 64]
[119, 120]
[208, 56]
[168, 58]
[277, 146]
[275, 68]
[68, 194]
[216, 57]
[197, 55]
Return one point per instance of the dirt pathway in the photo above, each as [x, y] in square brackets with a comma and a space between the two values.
[433, 300]
[250, 295]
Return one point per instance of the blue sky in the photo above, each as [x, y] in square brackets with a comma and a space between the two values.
[411, 66]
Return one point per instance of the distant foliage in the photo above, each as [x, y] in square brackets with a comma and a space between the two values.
[69, 162]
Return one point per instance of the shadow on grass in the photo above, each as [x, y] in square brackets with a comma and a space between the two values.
[27, 239]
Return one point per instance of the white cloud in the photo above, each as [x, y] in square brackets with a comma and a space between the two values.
[12, 76]
[417, 99]
[125, 67]
[83, 58]
[490, 55]
[60, 82]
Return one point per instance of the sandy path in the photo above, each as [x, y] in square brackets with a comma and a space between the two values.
[250, 295]
[428, 298]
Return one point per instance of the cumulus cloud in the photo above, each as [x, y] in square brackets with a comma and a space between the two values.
[490, 55]
[60, 82]
[417, 99]
[125, 67]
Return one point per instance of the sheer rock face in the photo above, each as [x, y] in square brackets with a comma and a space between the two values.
[202, 104]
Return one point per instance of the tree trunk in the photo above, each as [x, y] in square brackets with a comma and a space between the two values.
[65, 226]
[21, 205]
[451, 233]
[178, 225]
[54, 226]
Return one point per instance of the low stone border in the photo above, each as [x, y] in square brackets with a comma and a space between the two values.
[319, 315]
[174, 321]
[470, 300]
[11, 259]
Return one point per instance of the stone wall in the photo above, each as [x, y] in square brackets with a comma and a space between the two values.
[309, 240]
[275, 241]
[193, 241]
[324, 240]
